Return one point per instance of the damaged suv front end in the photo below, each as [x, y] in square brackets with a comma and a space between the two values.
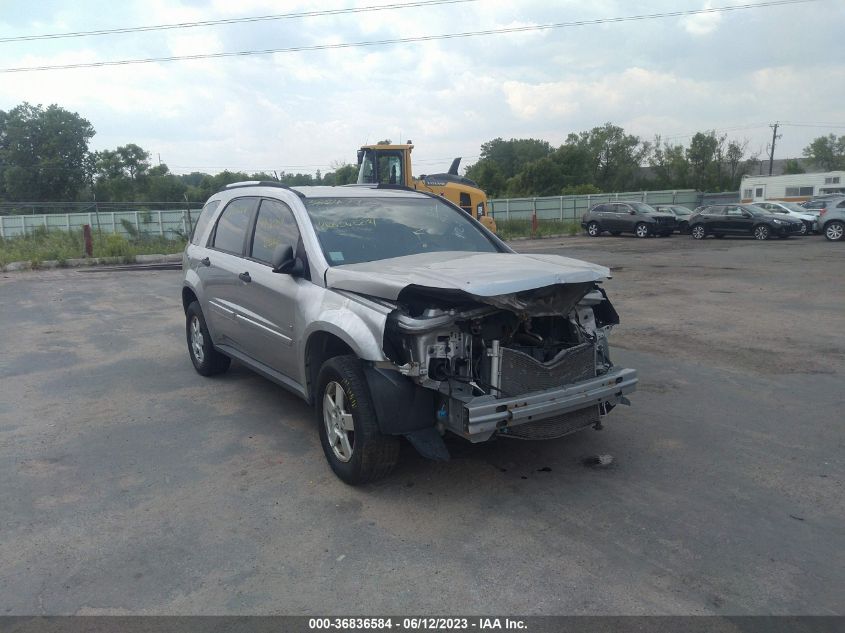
[402, 316]
[515, 347]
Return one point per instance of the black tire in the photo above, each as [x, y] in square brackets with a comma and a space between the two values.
[373, 455]
[761, 232]
[642, 230]
[593, 229]
[834, 231]
[806, 228]
[698, 232]
[616, 233]
[207, 360]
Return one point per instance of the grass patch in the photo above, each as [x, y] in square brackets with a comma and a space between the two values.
[509, 229]
[42, 245]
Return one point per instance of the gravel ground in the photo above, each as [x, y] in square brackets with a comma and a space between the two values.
[132, 485]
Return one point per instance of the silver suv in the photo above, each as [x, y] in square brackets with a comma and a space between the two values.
[831, 217]
[396, 314]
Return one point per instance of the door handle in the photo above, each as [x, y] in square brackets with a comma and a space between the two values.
[245, 277]
[205, 261]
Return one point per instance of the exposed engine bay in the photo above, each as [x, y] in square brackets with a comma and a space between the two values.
[473, 349]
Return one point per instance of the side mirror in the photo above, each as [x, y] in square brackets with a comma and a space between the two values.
[283, 259]
[746, 214]
[632, 212]
[360, 156]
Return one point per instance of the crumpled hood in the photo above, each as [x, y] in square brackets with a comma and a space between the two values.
[479, 274]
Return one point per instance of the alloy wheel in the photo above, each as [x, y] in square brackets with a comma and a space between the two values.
[340, 427]
[197, 340]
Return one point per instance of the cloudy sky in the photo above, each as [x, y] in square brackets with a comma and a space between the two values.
[736, 71]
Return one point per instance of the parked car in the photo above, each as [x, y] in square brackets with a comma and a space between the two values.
[720, 220]
[832, 218]
[627, 217]
[816, 205]
[682, 215]
[793, 210]
[394, 314]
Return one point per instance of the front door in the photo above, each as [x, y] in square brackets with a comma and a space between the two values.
[268, 308]
[737, 221]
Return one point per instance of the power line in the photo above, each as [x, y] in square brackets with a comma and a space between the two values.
[406, 40]
[258, 18]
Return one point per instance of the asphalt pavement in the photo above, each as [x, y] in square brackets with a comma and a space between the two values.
[132, 485]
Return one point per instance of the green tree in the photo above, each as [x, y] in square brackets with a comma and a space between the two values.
[669, 164]
[501, 160]
[705, 155]
[43, 153]
[828, 152]
[342, 174]
[737, 167]
[792, 166]
[119, 174]
[613, 157]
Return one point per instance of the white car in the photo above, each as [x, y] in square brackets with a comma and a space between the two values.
[810, 220]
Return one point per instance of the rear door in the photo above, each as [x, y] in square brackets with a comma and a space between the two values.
[737, 221]
[223, 288]
[617, 217]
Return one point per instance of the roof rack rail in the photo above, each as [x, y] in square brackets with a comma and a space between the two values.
[261, 183]
[382, 185]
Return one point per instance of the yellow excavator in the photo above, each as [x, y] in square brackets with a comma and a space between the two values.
[391, 165]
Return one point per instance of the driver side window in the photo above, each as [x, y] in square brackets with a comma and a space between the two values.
[274, 225]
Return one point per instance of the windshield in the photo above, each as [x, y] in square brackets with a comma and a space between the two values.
[355, 230]
[792, 206]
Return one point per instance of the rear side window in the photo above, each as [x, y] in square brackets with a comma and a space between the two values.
[230, 233]
[202, 222]
[274, 225]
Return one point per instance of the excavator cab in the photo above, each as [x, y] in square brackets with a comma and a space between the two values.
[391, 165]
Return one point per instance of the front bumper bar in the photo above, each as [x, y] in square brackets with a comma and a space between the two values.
[486, 414]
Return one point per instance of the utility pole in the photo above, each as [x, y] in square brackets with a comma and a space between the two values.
[775, 137]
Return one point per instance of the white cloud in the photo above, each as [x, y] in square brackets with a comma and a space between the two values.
[313, 108]
[702, 23]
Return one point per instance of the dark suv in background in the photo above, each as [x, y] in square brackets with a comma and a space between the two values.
[627, 217]
[682, 215]
[742, 219]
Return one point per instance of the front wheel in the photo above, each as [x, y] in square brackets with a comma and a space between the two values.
[593, 229]
[641, 230]
[834, 231]
[352, 442]
[761, 232]
[804, 229]
[698, 232]
[207, 360]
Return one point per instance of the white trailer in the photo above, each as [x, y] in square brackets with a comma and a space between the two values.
[792, 188]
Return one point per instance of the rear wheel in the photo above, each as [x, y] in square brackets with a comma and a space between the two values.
[593, 229]
[698, 232]
[352, 442]
[761, 232]
[207, 360]
[834, 231]
[641, 230]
